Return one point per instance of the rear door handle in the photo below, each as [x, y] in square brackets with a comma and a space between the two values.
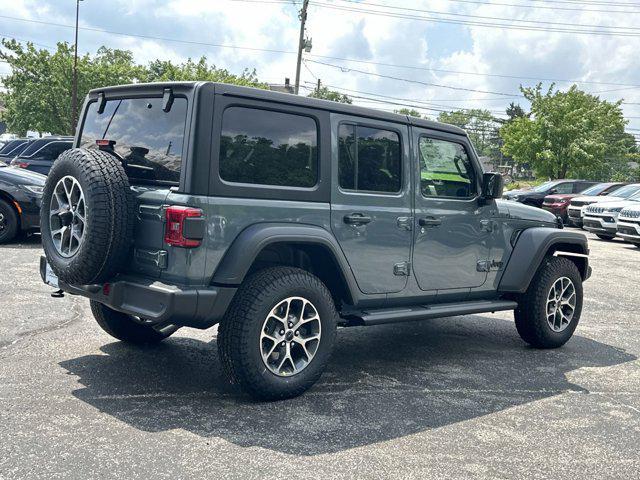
[356, 219]
[429, 222]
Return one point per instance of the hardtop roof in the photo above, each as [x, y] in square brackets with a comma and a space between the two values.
[271, 96]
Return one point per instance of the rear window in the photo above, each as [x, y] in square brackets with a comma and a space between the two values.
[149, 140]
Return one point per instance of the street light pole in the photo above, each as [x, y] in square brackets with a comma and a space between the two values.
[301, 43]
[74, 88]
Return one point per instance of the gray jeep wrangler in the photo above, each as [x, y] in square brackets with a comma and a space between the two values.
[281, 218]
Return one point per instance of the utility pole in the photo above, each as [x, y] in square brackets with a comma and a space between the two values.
[74, 87]
[301, 44]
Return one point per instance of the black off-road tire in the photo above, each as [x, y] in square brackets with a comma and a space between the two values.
[10, 225]
[239, 332]
[109, 216]
[603, 236]
[123, 327]
[530, 316]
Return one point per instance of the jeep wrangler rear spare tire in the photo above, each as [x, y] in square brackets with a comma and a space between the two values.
[278, 333]
[549, 311]
[86, 216]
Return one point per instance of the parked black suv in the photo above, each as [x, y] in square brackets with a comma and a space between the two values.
[40, 154]
[535, 196]
[12, 148]
[280, 217]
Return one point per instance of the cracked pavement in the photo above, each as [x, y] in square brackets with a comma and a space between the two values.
[459, 397]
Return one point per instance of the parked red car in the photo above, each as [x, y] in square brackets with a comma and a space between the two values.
[558, 203]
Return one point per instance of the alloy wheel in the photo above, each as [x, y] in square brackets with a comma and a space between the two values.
[561, 304]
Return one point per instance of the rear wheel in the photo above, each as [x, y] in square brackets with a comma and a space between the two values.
[128, 328]
[8, 222]
[603, 236]
[549, 311]
[278, 334]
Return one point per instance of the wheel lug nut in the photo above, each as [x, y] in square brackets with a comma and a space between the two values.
[281, 332]
[297, 333]
[283, 343]
[290, 324]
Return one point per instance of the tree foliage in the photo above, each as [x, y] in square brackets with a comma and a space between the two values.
[39, 87]
[325, 94]
[410, 112]
[569, 134]
[481, 126]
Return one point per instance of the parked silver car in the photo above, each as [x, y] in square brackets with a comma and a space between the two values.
[578, 204]
[629, 224]
[602, 218]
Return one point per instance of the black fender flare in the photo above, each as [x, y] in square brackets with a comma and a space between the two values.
[532, 245]
[239, 257]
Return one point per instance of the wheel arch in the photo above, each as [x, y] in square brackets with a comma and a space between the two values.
[309, 247]
[532, 246]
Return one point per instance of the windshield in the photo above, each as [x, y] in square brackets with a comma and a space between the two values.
[544, 187]
[627, 191]
[148, 140]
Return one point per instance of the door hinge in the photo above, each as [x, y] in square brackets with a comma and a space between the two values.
[402, 269]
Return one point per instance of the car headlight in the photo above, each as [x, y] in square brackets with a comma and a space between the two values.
[37, 189]
[614, 210]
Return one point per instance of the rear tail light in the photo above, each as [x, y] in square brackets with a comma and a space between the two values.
[15, 163]
[184, 227]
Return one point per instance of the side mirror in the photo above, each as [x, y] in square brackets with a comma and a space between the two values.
[492, 185]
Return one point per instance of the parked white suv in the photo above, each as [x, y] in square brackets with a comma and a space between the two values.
[629, 224]
[577, 207]
[602, 218]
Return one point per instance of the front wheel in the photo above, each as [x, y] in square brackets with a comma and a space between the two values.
[549, 311]
[602, 236]
[127, 328]
[278, 334]
[8, 222]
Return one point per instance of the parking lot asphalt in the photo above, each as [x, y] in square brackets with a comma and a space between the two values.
[459, 397]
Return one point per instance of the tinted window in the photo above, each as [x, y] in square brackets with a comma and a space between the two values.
[369, 159]
[268, 148]
[445, 169]
[17, 149]
[563, 188]
[149, 140]
[627, 191]
[47, 149]
[10, 146]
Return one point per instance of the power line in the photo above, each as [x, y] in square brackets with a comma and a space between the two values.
[477, 23]
[543, 7]
[428, 84]
[466, 15]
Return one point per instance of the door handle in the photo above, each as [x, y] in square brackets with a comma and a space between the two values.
[356, 219]
[429, 222]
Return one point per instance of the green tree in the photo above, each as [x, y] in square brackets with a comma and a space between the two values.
[569, 134]
[481, 126]
[325, 94]
[165, 71]
[409, 111]
[38, 93]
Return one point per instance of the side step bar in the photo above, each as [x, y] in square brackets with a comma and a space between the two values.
[424, 312]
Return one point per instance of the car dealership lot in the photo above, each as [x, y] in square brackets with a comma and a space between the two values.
[452, 398]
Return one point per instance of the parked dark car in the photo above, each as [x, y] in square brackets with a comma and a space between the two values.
[20, 197]
[535, 196]
[13, 148]
[559, 202]
[40, 154]
[281, 217]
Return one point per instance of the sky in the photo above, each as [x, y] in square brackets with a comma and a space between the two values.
[431, 54]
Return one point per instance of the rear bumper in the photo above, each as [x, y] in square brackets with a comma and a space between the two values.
[198, 307]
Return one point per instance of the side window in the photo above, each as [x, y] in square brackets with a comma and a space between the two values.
[53, 150]
[445, 169]
[369, 159]
[268, 148]
[563, 188]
